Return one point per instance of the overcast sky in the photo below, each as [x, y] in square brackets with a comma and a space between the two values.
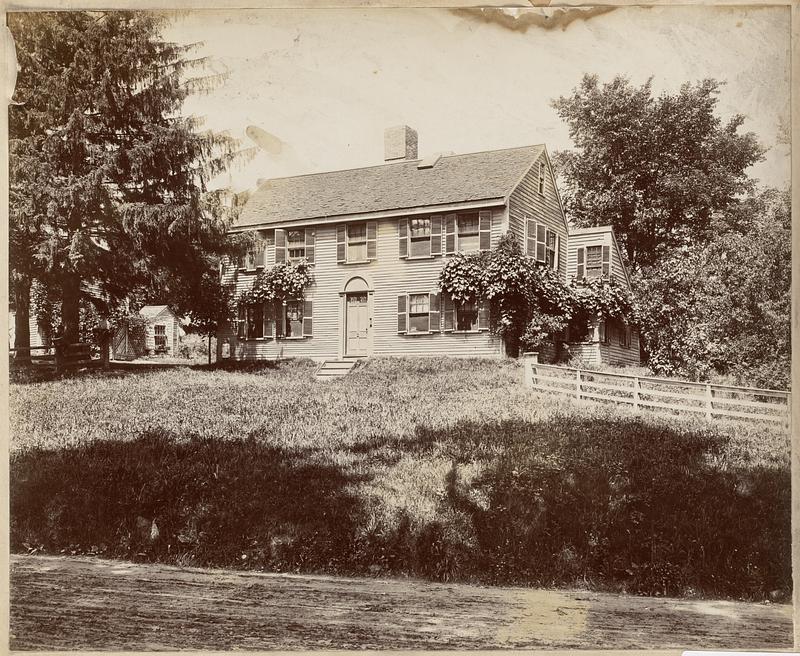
[325, 83]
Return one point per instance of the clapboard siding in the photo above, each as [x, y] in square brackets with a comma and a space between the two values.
[387, 276]
[526, 200]
[615, 354]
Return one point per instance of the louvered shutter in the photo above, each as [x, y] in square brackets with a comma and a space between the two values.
[311, 238]
[541, 241]
[448, 311]
[307, 318]
[372, 240]
[581, 273]
[280, 318]
[436, 235]
[341, 243]
[450, 234]
[402, 313]
[485, 229]
[530, 238]
[483, 315]
[241, 323]
[280, 246]
[433, 313]
[269, 319]
[606, 260]
[402, 237]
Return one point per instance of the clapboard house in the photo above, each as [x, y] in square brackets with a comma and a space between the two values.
[377, 238]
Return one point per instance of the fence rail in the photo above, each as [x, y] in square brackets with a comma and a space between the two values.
[648, 393]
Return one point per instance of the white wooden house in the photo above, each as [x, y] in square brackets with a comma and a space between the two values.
[378, 237]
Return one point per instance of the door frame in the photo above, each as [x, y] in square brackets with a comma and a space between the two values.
[355, 284]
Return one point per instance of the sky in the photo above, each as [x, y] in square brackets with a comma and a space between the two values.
[324, 84]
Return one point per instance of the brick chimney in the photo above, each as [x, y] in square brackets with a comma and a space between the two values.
[399, 142]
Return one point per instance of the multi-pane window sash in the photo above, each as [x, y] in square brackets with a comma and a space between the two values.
[468, 232]
[160, 336]
[419, 237]
[593, 262]
[464, 317]
[356, 242]
[295, 244]
[541, 178]
[542, 243]
[418, 313]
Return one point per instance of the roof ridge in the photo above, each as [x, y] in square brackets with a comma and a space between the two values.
[404, 161]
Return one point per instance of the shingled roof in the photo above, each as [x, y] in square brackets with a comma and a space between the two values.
[480, 176]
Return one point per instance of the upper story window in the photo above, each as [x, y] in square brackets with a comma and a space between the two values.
[420, 237]
[593, 262]
[255, 256]
[356, 242]
[294, 244]
[541, 178]
[467, 232]
[542, 243]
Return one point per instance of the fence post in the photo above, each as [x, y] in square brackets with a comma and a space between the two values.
[578, 384]
[636, 393]
[528, 371]
[709, 401]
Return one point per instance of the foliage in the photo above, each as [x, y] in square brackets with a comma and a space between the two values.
[285, 280]
[107, 178]
[656, 169]
[384, 481]
[529, 302]
[723, 308]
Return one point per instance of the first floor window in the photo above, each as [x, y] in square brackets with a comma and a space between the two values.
[255, 321]
[624, 335]
[466, 316]
[160, 335]
[293, 319]
[418, 313]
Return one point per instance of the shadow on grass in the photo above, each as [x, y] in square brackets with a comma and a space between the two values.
[618, 504]
[191, 501]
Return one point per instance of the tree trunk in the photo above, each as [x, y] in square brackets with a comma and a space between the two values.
[209, 348]
[22, 313]
[70, 307]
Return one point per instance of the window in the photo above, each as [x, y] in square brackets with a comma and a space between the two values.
[541, 178]
[602, 332]
[296, 244]
[542, 243]
[550, 255]
[254, 257]
[466, 316]
[356, 242]
[594, 262]
[293, 319]
[160, 337]
[468, 232]
[624, 336]
[420, 233]
[418, 313]
[255, 321]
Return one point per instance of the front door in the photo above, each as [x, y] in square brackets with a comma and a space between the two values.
[357, 324]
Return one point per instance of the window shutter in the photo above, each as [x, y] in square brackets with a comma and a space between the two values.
[485, 228]
[307, 318]
[448, 310]
[261, 253]
[606, 260]
[541, 240]
[483, 315]
[241, 323]
[279, 318]
[530, 238]
[402, 313]
[436, 235]
[311, 238]
[269, 319]
[402, 237]
[341, 243]
[280, 245]
[372, 240]
[581, 273]
[558, 251]
[434, 314]
[450, 234]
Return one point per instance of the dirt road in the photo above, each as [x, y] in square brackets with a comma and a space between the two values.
[92, 604]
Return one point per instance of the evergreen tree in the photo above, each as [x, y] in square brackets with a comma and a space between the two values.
[108, 178]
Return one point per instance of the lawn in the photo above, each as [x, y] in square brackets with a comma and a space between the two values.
[441, 468]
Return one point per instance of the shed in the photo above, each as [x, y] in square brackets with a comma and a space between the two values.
[164, 329]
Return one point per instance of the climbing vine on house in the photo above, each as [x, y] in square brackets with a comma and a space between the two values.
[529, 303]
[286, 280]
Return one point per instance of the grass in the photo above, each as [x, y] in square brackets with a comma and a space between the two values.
[441, 468]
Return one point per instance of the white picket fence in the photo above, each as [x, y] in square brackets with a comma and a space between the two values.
[660, 394]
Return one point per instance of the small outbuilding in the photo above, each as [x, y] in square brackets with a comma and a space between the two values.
[163, 333]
